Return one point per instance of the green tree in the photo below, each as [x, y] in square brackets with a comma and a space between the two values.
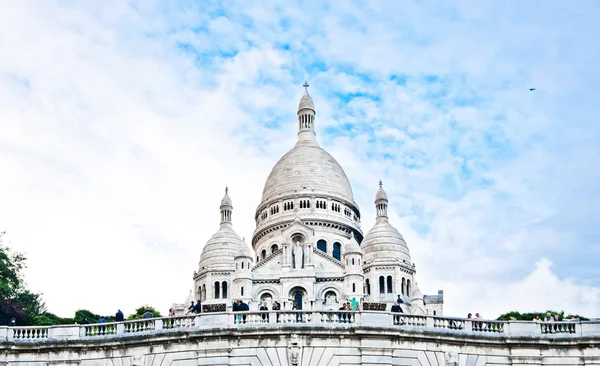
[15, 300]
[530, 316]
[139, 312]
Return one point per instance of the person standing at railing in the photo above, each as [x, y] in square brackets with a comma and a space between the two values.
[537, 318]
[119, 317]
[276, 307]
[265, 317]
[243, 307]
[548, 317]
[13, 323]
[396, 309]
[171, 312]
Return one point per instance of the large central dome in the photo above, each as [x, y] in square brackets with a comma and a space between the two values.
[307, 168]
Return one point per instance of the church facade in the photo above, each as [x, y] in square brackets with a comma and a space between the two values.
[308, 250]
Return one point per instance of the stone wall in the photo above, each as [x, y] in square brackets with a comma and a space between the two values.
[304, 338]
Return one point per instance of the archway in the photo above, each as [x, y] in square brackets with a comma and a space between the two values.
[297, 294]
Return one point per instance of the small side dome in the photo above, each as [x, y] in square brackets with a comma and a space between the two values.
[352, 247]
[245, 251]
[383, 241]
[189, 298]
[416, 293]
[221, 249]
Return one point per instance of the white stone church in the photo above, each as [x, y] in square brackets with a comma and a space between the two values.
[308, 248]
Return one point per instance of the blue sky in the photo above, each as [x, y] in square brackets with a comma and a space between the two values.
[122, 122]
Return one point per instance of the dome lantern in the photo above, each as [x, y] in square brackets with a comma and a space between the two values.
[381, 203]
[226, 208]
[306, 116]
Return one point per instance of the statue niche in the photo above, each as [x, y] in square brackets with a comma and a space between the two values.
[298, 251]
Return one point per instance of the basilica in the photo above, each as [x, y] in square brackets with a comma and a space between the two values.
[308, 250]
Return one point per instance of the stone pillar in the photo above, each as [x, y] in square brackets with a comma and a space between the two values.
[285, 261]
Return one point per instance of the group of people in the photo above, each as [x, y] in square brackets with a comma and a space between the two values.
[396, 308]
[193, 308]
[556, 318]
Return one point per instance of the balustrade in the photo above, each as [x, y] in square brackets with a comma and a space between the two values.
[487, 326]
[308, 317]
[409, 320]
[557, 327]
[136, 326]
[174, 322]
[449, 323]
[22, 333]
[92, 330]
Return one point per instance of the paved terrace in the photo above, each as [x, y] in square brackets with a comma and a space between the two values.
[281, 320]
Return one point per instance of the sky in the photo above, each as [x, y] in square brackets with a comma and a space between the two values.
[121, 123]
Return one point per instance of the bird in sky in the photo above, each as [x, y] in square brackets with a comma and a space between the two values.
[531, 89]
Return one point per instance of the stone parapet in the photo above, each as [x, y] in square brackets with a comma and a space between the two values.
[357, 319]
[304, 338]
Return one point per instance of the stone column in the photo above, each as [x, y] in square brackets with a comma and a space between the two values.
[285, 262]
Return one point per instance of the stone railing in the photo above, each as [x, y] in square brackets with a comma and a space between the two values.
[398, 321]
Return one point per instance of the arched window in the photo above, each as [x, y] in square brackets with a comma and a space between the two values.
[352, 261]
[322, 245]
[224, 289]
[403, 285]
[242, 291]
[263, 254]
[337, 251]
[274, 248]
[242, 265]
[367, 287]
[217, 288]
[434, 313]
[407, 287]
[203, 297]
[390, 287]
[381, 285]
[353, 287]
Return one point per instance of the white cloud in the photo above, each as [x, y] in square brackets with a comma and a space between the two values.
[122, 124]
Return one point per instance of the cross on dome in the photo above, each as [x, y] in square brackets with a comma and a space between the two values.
[306, 86]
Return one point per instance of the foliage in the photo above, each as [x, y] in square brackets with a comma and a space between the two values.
[51, 319]
[15, 300]
[91, 317]
[515, 315]
[139, 312]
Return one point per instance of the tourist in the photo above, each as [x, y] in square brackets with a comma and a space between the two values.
[264, 307]
[548, 317]
[190, 308]
[243, 307]
[119, 317]
[236, 308]
[101, 320]
[537, 318]
[399, 300]
[470, 316]
[198, 307]
[396, 308]
[171, 312]
[276, 307]
[84, 321]
[147, 315]
[13, 323]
